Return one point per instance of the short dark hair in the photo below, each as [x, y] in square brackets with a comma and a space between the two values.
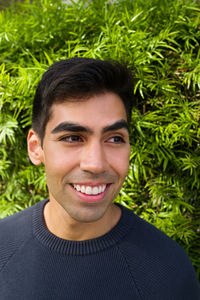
[80, 78]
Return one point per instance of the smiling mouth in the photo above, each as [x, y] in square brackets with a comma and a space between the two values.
[90, 190]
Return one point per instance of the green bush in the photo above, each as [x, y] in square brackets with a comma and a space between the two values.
[159, 39]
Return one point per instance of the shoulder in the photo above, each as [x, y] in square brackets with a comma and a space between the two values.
[149, 240]
[14, 231]
[145, 236]
[158, 263]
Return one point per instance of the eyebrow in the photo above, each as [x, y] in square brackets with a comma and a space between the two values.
[121, 124]
[73, 127]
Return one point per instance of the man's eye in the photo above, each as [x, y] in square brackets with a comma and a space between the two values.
[71, 139]
[116, 140]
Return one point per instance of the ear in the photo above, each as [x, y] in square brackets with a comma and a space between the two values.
[35, 151]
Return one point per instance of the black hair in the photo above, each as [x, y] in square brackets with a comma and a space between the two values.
[80, 78]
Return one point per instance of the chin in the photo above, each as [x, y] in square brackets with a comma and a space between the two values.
[88, 214]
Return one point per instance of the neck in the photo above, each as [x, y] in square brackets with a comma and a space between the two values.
[63, 226]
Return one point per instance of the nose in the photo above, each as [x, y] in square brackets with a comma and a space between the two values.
[93, 158]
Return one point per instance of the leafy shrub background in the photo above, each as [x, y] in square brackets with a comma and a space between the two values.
[159, 39]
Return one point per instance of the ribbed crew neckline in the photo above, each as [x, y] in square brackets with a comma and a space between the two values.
[80, 248]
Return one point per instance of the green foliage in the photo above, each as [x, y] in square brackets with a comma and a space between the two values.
[159, 39]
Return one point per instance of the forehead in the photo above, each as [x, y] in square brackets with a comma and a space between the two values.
[96, 111]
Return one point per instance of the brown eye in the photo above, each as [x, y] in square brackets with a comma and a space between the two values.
[71, 139]
[116, 140]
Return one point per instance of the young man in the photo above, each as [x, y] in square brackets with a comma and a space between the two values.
[78, 244]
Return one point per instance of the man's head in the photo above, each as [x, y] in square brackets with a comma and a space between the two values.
[80, 78]
[81, 113]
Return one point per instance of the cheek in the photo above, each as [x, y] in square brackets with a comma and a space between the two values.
[119, 162]
[60, 162]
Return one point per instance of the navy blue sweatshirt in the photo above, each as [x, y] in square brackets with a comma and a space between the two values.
[132, 261]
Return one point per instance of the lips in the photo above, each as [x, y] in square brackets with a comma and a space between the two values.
[90, 190]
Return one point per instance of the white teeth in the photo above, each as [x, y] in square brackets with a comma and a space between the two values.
[103, 188]
[95, 190]
[89, 190]
[77, 187]
[82, 189]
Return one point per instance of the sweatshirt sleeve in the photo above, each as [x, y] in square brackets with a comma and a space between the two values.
[14, 231]
[160, 267]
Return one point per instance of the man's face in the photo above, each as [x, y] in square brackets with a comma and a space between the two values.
[86, 155]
